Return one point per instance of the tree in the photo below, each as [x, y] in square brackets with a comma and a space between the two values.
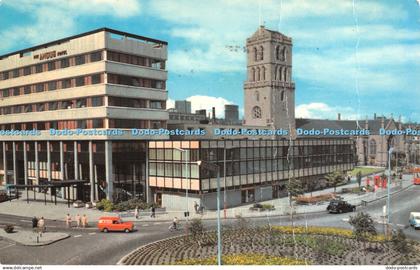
[294, 188]
[334, 178]
[359, 178]
[363, 226]
[197, 231]
[401, 245]
[311, 185]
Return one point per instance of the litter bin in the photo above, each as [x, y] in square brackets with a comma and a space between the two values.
[364, 203]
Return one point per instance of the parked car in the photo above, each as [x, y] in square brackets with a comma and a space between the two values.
[107, 224]
[78, 204]
[340, 207]
[415, 220]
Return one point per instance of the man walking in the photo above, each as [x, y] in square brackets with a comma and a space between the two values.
[68, 220]
[78, 219]
[41, 226]
[136, 212]
[84, 221]
[196, 207]
[153, 211]
[34, 223]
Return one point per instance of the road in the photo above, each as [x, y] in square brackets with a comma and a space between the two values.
[90, 247]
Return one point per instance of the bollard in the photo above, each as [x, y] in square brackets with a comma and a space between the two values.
[37, 239]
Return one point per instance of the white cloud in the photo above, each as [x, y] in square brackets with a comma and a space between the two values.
[207, 102]
[319, 110]
[53, 19]
[170, 103]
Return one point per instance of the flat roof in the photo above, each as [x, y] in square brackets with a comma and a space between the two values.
[109, 30]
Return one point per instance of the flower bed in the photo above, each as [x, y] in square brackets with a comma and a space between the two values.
[244, 259]
[323, 231]
[315, 199]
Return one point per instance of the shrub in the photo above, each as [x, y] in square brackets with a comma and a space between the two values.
[244, 259]
[105, 205]
[363, 226]
[324, 231]
[9, 228]
[132, 204]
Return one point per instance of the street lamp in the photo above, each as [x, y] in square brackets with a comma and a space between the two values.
[186, 179]
[388, 210]
[215, 168]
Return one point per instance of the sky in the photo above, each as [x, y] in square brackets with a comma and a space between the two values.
[351, 57]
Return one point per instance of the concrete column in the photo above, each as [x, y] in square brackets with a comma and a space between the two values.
[14, 163]
[148, 192]
[76, 162]
[91, 179]
[63, 190]
[108, 170]
[48, 161]
[4, 163]
[36, 163]
[25, 164]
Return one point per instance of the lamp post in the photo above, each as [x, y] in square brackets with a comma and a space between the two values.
[215, 168]
[388, 210]
[224, 180]
[186, 180]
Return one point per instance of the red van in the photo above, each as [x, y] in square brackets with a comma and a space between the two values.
[107, 224]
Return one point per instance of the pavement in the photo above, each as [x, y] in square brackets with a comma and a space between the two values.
[50, 211]
[30, 238]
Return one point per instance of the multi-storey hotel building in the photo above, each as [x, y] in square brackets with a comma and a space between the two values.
[103, 79]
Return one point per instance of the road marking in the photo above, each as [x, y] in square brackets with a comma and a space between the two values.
[157, 223]
[145, 225]
[29, 221]
[92, 233]
[76, 236]
[346, 219]
[10, 245]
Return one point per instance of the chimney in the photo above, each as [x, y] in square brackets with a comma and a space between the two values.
[213, 112]
[374, 116]
[339, 116]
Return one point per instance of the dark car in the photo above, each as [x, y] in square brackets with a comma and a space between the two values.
[340, 207]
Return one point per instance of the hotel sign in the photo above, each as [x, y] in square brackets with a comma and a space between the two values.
[49, 55]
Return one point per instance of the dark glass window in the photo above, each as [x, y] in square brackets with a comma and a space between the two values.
[65, 63]
[96, 56]
[80, 60]
[81, 103]
[54, 125]
[97, 101]
[52, 106]
[6, 110]
[40, 87]
[38, 68]
[27, 90]
[66, 105]
[15, 73]
[96, 79]
[27, 71]
[80, 81]
[16, 91]
[40, 107]
[5, 93]
[52, 85]
[17, 109]
[28, 108]
[51, 66]
[5, 75]
[155, 104]
[97, 123]
[81, 124]
[66, 83]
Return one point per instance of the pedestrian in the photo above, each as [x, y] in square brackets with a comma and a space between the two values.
[175, 222]
[78, 219]
[348, 178]
[68, 220]
[153, 211]
[41, 226]
[136, 212]
[196, 207]
[34, 223]
[84, 221]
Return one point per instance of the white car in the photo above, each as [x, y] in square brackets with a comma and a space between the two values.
[415, 220]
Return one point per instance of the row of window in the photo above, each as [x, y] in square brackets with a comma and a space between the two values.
[139, 124]
[54, 105]
[53, 85]
[63, 124]
[135, 60]
[136, 103]
[135, 81]
[52, 65]
[80, 60]
[280, 53]
[167, 169]
[82, 103]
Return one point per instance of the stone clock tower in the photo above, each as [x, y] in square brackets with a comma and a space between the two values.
[269, 90]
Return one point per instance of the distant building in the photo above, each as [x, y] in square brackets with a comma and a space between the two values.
[183, 106]
[231, 114]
